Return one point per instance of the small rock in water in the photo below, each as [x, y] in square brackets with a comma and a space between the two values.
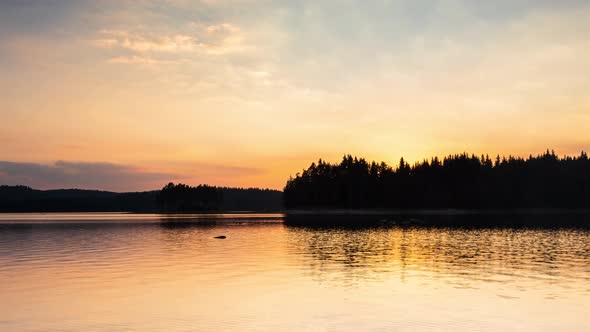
[220, 237]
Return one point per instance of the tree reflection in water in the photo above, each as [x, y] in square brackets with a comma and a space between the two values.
[463, 256]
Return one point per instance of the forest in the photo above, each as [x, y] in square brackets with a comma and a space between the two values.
[459, 181]
[172, 198]
[181, 197]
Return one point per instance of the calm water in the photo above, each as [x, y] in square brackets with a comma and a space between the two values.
[117, 272]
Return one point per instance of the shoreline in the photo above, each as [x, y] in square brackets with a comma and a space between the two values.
[433, 212]
[514, 218]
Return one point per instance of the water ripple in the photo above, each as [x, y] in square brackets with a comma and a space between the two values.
[173, 275]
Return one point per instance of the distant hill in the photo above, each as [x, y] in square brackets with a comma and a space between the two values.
[26, 199]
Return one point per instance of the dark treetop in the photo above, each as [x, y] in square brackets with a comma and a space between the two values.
[457, 181]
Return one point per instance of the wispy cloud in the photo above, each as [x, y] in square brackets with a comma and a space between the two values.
[220, 38]
[143, 42]
[137, 59]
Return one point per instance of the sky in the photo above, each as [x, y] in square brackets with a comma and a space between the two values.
[129, 95]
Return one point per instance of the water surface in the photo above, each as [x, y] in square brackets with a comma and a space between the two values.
[122, 272]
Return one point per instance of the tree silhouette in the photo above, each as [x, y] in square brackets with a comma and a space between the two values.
[459, 181]
[172, 198]
[183, 198]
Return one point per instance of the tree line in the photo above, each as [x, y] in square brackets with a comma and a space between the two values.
[172, 198]
[458, 181]
[183, 198]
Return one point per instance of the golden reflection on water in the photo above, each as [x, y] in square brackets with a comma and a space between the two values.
[492, 255]
[166, 275]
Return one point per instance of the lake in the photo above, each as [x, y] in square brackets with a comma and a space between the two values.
[133, 272]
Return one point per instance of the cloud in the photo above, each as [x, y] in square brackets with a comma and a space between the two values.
[210, 39]
[117, 177]
[84, 175]
[221, 38]
[136, 59]
[143, 42]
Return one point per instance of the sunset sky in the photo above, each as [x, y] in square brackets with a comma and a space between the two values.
[128, 95]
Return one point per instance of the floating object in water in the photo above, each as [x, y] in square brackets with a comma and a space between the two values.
[220, 237]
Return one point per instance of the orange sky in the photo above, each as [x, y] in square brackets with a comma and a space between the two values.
[246, 93]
